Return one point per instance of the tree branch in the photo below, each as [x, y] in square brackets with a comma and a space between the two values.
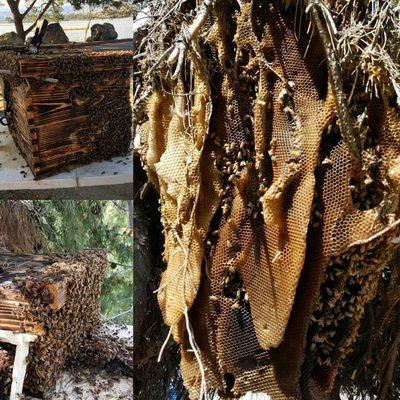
[178, 52]
[12, 3]
[350, 136]
[46, 7]
[28, 9]
[105, 319]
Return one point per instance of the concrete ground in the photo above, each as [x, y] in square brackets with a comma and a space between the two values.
[104, 192]
[88, 386]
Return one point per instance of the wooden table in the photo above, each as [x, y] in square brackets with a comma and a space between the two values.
[22, 342]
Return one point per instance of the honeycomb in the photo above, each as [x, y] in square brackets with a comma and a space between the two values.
[273, 242]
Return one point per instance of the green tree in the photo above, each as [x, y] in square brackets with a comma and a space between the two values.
[70, 226]
[119, 9]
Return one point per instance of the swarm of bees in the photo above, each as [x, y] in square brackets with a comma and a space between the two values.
[6, 364]
[88, 80]
[351, 281]
[65, 327]
[103, 349]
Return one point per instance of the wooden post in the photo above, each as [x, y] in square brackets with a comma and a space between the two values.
[21, 341]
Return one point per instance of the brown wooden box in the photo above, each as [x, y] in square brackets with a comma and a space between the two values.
[84, 116]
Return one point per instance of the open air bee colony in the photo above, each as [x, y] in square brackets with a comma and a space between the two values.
[271, 131]
[68, 105]
[57, 299]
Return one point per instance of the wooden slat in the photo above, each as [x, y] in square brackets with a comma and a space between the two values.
[36, 67]
[55, 125]
[11, 317]
[58, 293]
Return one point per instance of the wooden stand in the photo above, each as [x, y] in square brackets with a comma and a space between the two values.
[21, 341]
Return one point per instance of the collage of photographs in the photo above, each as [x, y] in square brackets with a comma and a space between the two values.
[199, 199]
[66, 200]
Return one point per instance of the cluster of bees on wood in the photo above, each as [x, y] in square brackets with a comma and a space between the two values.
[113, 115]
[103, 350]
[109, 109]
[66, 328]
[106, 93]
[7, 355]
[350, 282]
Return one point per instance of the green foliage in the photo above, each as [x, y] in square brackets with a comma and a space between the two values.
[101, 9]
[77, 4]
[53, 14]
[73, 225]
[107, 9]
[117, 10]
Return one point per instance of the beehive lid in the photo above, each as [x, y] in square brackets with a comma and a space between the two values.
[21, 265]
[65, 59]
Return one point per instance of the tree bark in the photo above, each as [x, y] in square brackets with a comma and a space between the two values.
[18, 230]
[18, 18]
[46, 7]
[386, 383]
[130, 212]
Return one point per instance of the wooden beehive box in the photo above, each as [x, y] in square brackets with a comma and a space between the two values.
[56, 298]
[84, 115]
[13, 303]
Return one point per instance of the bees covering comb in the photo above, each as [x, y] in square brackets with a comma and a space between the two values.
[83, 115]
[279, 214]
[55, 298]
